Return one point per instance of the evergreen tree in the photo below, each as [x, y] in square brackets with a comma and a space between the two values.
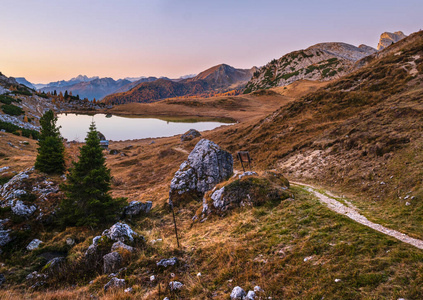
[51, 151]
[87, 200]
[66, 94]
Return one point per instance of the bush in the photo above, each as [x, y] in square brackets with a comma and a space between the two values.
[12, 110]
[11, 128]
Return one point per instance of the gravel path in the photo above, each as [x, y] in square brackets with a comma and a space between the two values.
[352, 213]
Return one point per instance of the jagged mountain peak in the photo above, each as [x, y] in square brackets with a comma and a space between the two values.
[389, 38]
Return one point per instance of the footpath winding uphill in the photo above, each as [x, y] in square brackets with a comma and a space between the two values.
[351, 212]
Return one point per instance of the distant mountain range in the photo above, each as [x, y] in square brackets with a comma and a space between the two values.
[219, 78]
[323, 62]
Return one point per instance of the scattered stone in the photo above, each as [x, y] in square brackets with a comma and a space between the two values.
[5, 237]
[34, 244]
[70, 241]
[190, 135]
[55, 265]
[238, 293]
[152, 142]
[111, 262]
[4, 169]
[120, 232]
[248, 173]
[308, 258]
[337, 280]
[167, 262]
[407, 203]
[35, 276]
[128, 290]
[198, 274]
[206, 166]
[20, 209]
[113, 152]
[250, 295]
[165, 298]
[175, 285]
[258, 289]
[136, 207]
[120, 245]
[152, 278]
[114, 283]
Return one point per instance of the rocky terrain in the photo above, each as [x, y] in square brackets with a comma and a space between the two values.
[389, 38]
[321, 62]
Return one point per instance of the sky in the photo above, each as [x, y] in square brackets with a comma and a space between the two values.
[50, 40]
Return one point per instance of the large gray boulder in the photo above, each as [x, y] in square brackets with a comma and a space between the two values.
[206, 166]
[136, 207]
[34, 244]
[20, 209]
[111, 262]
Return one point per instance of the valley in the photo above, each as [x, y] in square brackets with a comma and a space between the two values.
[356, 135]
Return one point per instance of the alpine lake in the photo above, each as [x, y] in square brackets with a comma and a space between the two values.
[74, 127]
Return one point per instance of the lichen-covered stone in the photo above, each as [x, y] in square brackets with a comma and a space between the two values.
[206, 166]
[167, 262]
[175, 285]
[114, 283]
[34, 244]
[111, 262]
[120, 232]
[190, 135]
[119, 245]
[238, 293]
[136, 207]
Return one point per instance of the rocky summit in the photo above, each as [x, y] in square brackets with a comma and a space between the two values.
[323, 62]
[389, 38]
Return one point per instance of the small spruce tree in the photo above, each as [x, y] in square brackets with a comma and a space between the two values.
[87, 200]
[51, 151]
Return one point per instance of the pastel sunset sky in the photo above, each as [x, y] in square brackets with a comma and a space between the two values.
[49, 40]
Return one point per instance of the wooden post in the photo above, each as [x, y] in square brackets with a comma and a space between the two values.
[174, 222]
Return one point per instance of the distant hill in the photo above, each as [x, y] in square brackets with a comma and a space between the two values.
[324, 61]
[22, 80]
[97, 88]
[219, 78]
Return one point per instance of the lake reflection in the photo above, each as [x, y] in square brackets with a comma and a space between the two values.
[115, 128]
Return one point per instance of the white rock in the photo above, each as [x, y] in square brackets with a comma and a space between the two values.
[258, 289]
[337, 280]
[250, 295]
[128, 290]
[198, 274]
[20, 209]
[238, 293]
[152, 278]
[175, 285]
[120, 232]
[34, 244]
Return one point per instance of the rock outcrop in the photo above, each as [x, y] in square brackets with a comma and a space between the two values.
[136, 207]
[250, 189]
[206, 166]
[111, 262]
[190, 135]
[323, 62]
[120, 232]
[389, 38]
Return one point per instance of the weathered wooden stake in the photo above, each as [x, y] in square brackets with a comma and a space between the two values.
[174, 222]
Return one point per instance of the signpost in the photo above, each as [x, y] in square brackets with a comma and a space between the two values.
[244, 157]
